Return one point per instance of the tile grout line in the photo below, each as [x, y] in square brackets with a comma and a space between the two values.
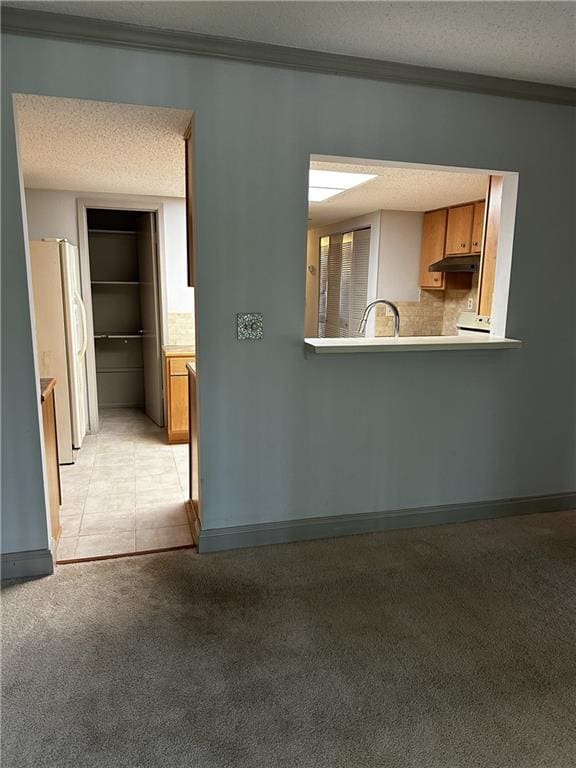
[136, 433]
[86, 499]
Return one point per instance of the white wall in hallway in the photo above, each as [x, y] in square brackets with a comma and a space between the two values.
[52, 213]
[180, 297]
[399, 262]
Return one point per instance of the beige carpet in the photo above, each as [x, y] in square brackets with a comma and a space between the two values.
[446, 647]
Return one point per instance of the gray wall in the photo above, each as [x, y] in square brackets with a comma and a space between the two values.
[284, 436]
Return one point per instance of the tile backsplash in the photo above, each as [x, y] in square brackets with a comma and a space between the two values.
[417, 318]
[181, 329]
[435, 314]
[456, 302]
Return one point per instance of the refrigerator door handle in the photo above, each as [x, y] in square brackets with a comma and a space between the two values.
[84, 323]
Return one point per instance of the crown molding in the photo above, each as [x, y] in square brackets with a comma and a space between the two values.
[94, 31]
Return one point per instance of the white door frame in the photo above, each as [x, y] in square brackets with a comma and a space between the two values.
[118, 203]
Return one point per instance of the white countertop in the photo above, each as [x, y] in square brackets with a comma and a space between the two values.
[408, 344]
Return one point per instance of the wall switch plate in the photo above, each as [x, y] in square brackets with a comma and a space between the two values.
[249, 326]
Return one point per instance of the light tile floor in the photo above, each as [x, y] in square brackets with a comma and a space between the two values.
[126, 491]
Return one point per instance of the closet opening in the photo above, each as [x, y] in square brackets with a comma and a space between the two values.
[126, 317]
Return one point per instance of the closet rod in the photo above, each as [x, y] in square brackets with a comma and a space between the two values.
[112, 232]
[118, 335]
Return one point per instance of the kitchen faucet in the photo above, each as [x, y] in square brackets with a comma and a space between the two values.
[393, 307]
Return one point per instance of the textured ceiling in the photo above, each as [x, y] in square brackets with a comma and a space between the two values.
[94, 146]
[525, 40]
[395, 189]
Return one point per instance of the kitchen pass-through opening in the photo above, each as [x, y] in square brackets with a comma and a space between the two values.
[406, 249]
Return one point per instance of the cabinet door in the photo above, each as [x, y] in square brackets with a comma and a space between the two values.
[52, 466]
[459, 230]
[488, 268]
[178, 416]
[478, 227]
[433, 236]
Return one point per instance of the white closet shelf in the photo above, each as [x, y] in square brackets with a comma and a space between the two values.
[115, 282]
[127, 369]
[112, 232]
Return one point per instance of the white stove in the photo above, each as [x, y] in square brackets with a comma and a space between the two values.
[471, 324]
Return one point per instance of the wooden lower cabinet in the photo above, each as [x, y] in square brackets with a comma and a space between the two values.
[51, 452]
[178, 409]
[177, 412]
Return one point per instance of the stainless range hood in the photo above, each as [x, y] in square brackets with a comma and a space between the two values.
[457, 264]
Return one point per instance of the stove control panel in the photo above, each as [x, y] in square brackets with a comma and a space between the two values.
[470, 321]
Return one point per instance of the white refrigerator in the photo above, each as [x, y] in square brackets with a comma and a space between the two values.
[61, 336]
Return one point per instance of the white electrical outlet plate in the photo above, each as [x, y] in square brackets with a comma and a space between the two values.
[470, 304]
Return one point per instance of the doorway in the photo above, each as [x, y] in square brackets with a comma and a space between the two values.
[135, 499]
[125, 488]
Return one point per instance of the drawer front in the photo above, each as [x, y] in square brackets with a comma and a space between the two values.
[177, 365]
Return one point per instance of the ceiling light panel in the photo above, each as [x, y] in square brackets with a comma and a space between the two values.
[337, 179]
[319, 194]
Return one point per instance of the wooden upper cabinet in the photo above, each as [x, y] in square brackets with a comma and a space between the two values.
[459, 230]
[433, 238]
[478, 226]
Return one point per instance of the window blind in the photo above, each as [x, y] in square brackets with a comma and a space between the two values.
[323, 286]
[343, 288]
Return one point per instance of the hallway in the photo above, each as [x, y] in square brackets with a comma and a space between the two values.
[125, 494]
